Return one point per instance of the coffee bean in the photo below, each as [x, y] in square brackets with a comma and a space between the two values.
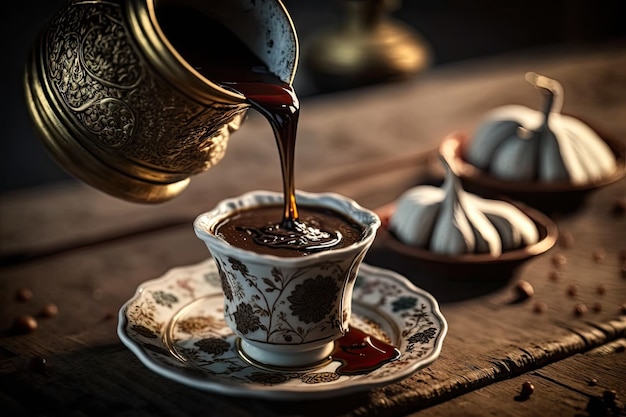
[559, 260]
[601, 289]
[540, 307]
[527, 389]
[572, 290]
[624, 270]
[524, 290]
[623, 309]
[593, 382]
[23, 295]
[580, 309]
[49, 310]
[622, 255]
[109, 315]
[24, 324]
[596, 307]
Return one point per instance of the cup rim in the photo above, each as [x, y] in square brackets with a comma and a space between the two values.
[345, 205]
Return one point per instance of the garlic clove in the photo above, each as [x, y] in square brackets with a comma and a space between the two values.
[486, 234]
[452, 233]
[595, 155]
[516, 160]
[576, 165]
[510, 236]
[487, 139]
[550, 165]
[414, 217]
[514, 227]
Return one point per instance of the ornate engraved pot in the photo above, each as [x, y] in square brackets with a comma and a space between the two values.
[119, 107]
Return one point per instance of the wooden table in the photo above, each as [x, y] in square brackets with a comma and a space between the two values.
[87, 253]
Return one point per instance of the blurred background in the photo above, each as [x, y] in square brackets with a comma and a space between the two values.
[454, 30]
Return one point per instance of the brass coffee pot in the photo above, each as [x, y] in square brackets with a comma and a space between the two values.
[121, 109]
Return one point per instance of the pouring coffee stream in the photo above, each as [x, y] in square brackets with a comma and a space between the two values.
[232, 65]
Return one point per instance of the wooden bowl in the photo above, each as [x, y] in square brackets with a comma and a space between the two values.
[471, 266]
[553, 197]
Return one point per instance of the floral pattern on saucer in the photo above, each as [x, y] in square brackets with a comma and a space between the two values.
[175, 325]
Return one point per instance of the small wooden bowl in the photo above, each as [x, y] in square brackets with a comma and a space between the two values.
[554, 197]
[471, 266]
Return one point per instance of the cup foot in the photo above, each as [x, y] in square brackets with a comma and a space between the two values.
[282, 359]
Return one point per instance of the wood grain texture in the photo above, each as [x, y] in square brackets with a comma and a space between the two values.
[573, 387]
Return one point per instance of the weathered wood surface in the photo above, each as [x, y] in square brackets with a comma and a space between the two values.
[87, 253]
[576, 386]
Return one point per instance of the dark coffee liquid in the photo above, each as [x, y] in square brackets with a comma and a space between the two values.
[255, 229]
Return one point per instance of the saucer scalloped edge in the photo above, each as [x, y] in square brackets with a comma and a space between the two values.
[175, 325]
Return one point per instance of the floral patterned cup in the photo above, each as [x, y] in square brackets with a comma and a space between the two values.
[287, 311]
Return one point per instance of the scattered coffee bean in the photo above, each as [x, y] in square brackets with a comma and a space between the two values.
[527, 389]
[540, 307]
[523, 290]
[624, 270]
[592, 382]
[24, 324]
[37, 364]
[23, 295]
[596, 307]
[49, 310]
[598, 255]
[566, 240]
[622, 255]
[601, 289]
[554, 275]
[623, 309]
[580, 309]
[572, 290]
[559, 260]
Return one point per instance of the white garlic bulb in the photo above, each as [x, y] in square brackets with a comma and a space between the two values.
[518, 143]
[451, 221]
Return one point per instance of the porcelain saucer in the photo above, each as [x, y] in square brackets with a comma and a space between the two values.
[175, 326]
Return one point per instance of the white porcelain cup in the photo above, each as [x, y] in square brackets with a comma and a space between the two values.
[287, 311]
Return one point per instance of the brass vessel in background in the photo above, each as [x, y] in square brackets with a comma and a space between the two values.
[368, 46]
[121, 109]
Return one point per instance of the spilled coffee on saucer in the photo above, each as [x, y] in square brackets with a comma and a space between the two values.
[283, 231]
